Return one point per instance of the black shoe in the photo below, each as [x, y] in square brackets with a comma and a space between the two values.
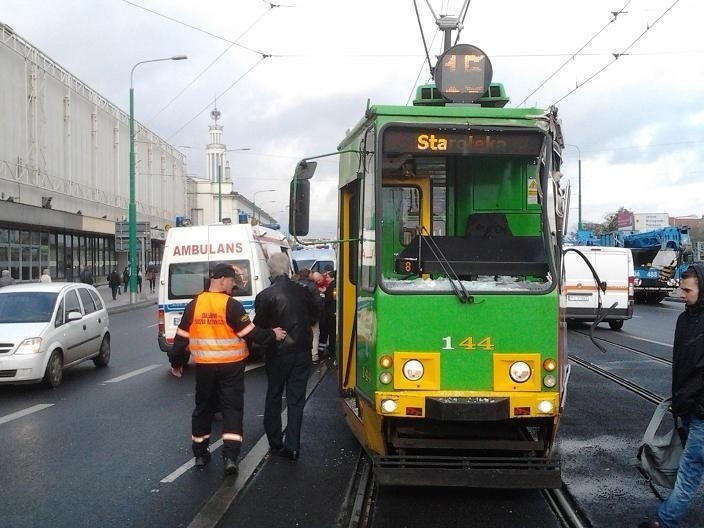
[230, 466]
[202, 460]
[275, 448]
[291, 454]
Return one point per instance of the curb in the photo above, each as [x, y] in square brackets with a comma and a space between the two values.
[128, 307]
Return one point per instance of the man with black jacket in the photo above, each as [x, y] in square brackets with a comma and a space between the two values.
[293, 307]
[687, 398]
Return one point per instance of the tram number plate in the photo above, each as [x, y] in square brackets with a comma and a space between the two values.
[578, 298]
[406, 266]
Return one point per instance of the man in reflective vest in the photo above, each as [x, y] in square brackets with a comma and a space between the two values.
[214, 326]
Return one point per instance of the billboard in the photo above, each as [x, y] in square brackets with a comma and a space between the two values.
[649, 221]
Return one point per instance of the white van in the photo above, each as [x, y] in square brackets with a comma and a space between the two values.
[614, 266]
[315, 258]
[190, 253]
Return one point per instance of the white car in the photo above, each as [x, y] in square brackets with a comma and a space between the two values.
[47, 327]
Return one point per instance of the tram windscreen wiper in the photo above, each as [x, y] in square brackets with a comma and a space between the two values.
[457, 286]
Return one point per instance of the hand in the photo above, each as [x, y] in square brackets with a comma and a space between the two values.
[176, 372]
[280, 333]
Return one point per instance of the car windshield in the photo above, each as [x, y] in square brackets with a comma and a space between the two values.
[27, 307]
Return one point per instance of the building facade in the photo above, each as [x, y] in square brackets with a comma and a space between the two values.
[64, 172]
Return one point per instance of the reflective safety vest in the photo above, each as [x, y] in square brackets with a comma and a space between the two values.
[211, 339]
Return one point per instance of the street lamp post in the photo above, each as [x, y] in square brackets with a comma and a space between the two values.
[133, 206]
[220, 180]
[260, 208]
[254, 201]
[579, 185]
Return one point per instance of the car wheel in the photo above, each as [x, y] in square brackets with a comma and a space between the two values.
[103, 358]
[616, 325]
[54, 370]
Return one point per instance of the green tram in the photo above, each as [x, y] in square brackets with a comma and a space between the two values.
[450, 332]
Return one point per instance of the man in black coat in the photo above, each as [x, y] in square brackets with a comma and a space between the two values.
[687, 397]
[293, 307]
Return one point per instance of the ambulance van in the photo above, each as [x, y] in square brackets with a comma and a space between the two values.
[614, 266]
[190, 253]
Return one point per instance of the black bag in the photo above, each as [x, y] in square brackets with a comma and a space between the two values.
[659, 455]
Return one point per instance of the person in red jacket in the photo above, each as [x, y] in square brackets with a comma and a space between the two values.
[216, 328]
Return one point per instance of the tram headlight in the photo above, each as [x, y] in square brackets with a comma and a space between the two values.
[550, 364]
[549, 381]
[545, 407]
[385, 361]
[413, 370]
[385, 378]
[520, 371]
[388, 406]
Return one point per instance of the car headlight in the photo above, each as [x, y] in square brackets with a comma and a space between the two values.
[413, 370]
[29, 346]
[520, 371]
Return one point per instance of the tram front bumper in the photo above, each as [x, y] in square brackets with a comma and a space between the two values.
[468, 472]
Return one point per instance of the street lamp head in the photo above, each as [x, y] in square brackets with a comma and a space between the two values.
[179, 57]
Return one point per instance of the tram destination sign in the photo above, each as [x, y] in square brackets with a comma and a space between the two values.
[443, 141]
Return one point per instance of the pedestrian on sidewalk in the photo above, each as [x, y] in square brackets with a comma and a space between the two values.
[139, 279]
[215, 326]
[151, 277]
[45, 276]
[293, 307]
[114, 283]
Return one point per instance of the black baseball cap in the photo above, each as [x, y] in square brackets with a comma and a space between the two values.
[223, 270]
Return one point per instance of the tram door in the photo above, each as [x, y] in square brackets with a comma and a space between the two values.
[348, 268]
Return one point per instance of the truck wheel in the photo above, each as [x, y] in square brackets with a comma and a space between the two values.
[616, 325]
[655, 298]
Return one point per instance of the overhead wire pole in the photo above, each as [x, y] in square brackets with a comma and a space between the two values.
[132, 211]
[579, 185]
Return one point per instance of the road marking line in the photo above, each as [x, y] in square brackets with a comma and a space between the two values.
[188, 465]
[132, 374]
[24, 412]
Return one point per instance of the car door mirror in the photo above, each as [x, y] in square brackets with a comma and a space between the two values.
[74, 316]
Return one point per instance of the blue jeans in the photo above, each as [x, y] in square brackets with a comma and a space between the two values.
[689, 474]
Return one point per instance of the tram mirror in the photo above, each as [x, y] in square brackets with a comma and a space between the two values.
[305, 170]
[299, 207]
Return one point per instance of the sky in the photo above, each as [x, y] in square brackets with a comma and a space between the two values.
[290, 79]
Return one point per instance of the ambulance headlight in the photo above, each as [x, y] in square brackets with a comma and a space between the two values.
[520, 371]
[413, 370]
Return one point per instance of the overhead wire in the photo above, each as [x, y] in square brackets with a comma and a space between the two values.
[617, 55]
[212, 63]
[571, 57]
[192, 27]
[220, 95]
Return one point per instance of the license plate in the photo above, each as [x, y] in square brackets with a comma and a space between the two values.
[578, 298]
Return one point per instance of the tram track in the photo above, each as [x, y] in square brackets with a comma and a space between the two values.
[619, 380]
[626, 347]
[358, 507]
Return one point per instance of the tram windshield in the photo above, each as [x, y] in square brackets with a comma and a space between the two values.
[471, 214]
